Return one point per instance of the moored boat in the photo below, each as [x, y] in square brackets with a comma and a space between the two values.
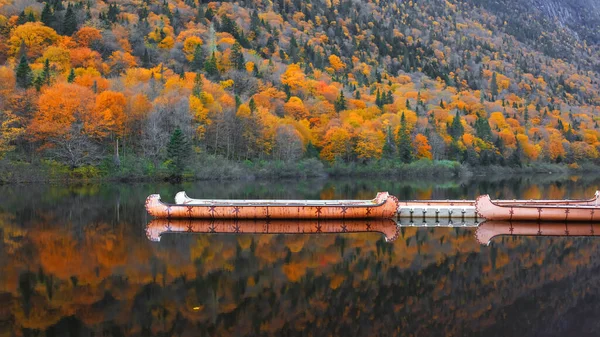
[488, 230]
[465, 209]
[382, 206]
[157, 227]
[551, 210]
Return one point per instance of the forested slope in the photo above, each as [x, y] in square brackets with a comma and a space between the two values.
[349, 81]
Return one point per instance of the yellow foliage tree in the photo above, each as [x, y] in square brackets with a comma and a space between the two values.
[370, 144]
[295, 108]
[422, 147]
[293, 76]
[35, 36]
[336, 144]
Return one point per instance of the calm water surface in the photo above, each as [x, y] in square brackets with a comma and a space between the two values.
[76, 261]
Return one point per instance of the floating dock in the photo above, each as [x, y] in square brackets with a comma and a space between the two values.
[453, 210]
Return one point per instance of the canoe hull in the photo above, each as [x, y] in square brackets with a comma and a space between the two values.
[490, 210]
[385, 206]
[158, 227]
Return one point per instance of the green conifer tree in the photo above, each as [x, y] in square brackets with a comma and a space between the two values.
[71, 77]
[70, 21]
[340, 102]
[178, 150]
[23, 73]
[47, 15]
[237, 56]
[456, 129]
[198, 58]
[197, 89]
[210, 66]
[405, 152]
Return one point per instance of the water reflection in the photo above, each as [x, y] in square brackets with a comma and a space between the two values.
[157, 227]
[75, 261]
[488, 230]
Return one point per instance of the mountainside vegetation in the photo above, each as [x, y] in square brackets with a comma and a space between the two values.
[132, 83]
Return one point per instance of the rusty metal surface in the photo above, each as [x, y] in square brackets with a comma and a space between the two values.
[588, 210]
[383, 206]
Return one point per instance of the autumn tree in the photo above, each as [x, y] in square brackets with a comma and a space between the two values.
[10, 130]
[336, 145]
[422, 147]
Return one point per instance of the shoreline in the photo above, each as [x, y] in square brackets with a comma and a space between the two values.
[218, 169]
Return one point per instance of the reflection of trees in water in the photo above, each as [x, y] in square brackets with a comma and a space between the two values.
[80, 205]
[68, 267]
[430, 281]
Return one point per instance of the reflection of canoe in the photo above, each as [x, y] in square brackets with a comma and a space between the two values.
[463, 209]
[383, 206]
[490, 229]
[585, 210]
[157, 227]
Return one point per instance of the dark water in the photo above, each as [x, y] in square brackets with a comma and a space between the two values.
[75, 261]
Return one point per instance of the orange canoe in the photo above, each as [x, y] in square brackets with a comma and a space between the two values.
[568, 210]
[383, 206]
[157, 227]
[491, 229]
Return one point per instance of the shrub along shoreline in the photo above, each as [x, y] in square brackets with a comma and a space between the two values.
[218, 168]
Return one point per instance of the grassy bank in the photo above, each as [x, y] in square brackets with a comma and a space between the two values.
[218, 168]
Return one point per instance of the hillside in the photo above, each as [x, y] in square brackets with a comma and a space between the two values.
[153, 83]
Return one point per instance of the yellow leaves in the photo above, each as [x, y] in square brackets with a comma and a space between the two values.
[90, 77]
[200, 113]
[295, 108]
[35, 36]
[189, 46]
[336, 63]
[85, 57]
[531, 151]
[250, 66]
[58, 107]
[370, 144]
[108, 115]
[497, 120]
[10, 130]
[166, 43]
[244, 111]
[120, 61]
[58, 57]
[85, 36]
[554, 147]
[336, 144]
[226, 84]
[7, 81]
[227, 40]
[422, 147]
[293, 76]
[139, 106]
[508, 137]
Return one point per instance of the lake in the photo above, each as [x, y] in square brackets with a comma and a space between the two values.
[76, 260]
